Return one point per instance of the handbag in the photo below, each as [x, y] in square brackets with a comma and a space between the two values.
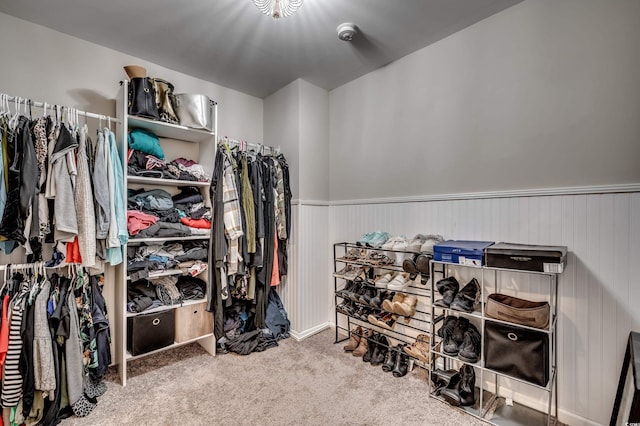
[195, 111]
[165, 100]
[517, 352]
[142, 98]
[518, 311]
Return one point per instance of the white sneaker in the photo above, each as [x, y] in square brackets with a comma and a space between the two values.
[399, 282]
[383, 281]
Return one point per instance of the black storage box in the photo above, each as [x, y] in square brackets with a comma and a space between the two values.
[517, 352]
[148, 332]
[527, 257]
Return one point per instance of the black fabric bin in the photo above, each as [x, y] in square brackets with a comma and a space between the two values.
[517, 352]
[148, 332]
[526, 257]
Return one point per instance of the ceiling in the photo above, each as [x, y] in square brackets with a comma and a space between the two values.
[230, 43]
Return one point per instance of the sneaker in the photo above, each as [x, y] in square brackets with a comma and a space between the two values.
[416, 243]
[365, 239]
[378, 239]
[383, 281]
[399, 282]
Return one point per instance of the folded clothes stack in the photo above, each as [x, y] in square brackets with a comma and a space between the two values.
[145, 164]
[146, 260]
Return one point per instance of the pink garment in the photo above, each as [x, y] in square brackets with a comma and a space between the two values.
[4, 332]
[185, 162]
[275, 272]
[137, 221]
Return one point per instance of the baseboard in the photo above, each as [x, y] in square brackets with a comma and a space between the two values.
[301, 335]
[573, 419]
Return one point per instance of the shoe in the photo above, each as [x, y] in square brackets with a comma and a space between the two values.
[385, 320]
[466, 297]
[461, 388]
[399, 282]
[378, 239]
[341, 272]
[390, 359]
[349, 287]
[469, 350]
[346, 307]
[380, 352]
[422, 265]
[430, 241]
[407, 307]
[368, 294]
[354, 340]
[353, 253]
[353, 273]
[416, 243]
[362, 313]
[366, 238]
[450, 392]
[371, 347]
[355, 296]
[376, 302]
[409, 266]
[363, 346]
[401, 367]
[387, 304]
[448, 288]
[420, 349]
[441, 379]
[382, 281]
[467, 386]
[454, 337]
[449, 322]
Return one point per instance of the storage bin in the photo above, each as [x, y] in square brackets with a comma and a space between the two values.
[148, 332]
[527, 257]
[460, 251]
[193, 321]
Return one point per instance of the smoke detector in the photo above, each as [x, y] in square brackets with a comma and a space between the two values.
[346, 31]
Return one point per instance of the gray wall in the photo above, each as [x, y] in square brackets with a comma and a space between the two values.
[544, 94]
[49, 66]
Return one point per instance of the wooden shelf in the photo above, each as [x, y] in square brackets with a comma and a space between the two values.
[171, 131]
[167, 307]
[165, 182]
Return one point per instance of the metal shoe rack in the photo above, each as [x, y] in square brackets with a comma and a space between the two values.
[403, 331]
[500, 399]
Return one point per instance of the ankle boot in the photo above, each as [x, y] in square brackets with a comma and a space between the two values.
[372, 344]
[467, 386]
[380, 351]
[465, 299]
[387, 304]
[470, 346]
[450, 393]
[454, 336]
[354, 340]
[363, 346]
[390, 359]
[441, 379]
[401, 368]
[449, 323]
[448, 288]
[407, 307]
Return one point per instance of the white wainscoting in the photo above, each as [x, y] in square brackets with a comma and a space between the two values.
[304, 293]
[599, 293]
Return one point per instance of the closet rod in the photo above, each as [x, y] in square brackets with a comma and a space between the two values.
[12, 266]
[38, 104]
[251, 145]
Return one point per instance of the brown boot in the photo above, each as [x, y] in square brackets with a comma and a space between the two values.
[354, 340]
[363, 345]
[407, 307]
[388, 305]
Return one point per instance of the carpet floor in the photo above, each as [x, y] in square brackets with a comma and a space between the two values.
[313, 382]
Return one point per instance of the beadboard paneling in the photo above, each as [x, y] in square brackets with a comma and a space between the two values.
[305, 294]
[598, 293]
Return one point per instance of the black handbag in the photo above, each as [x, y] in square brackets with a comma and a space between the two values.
[142, 98]
[517, 352]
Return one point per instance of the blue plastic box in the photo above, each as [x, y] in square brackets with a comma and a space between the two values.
[461, 252]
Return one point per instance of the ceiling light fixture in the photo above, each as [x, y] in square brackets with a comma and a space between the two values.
[278, 8]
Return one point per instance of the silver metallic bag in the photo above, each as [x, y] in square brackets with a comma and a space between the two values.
[195, 111]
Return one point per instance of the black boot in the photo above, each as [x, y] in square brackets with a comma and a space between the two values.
[450, 393]
[401, 368]
[380, 351]
[466, 297]
[454, 336]
[390, 359]
[470, 347]
[373, 344]
[448, 288]
[441, 379]
[449, 323]
[467, 387]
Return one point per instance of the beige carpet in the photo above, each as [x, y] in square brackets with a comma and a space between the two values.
[312, 382]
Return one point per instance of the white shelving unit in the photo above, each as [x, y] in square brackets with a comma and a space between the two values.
[496, 400]
[176, 141]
